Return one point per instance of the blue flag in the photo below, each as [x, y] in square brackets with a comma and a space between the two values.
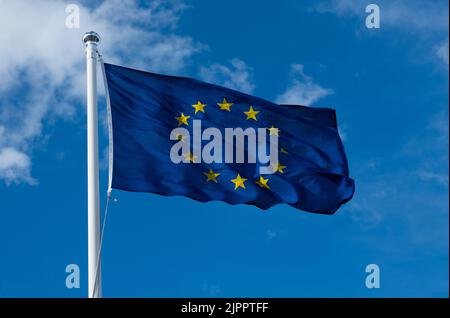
[180, 136]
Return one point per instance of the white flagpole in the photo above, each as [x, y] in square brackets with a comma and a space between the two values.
[91, 39]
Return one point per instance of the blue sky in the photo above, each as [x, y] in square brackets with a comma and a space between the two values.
[388, 85]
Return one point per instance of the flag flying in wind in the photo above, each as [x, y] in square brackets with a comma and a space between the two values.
[180, 136]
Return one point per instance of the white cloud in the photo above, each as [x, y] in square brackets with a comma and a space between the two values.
[302, 89]
[43, 61]
[442, 52]
[236, 76]
[15, 166]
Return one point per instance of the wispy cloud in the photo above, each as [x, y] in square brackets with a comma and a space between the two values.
[407, 203]
[237, 75]
[442, 52]
[439, 178]
[302, 90]
[424, 19]
[271, 234]
[367, 208]
[44, 62]
[429, 150]
[342, 130]
[434, 142]
[410, 15]
[210, 288]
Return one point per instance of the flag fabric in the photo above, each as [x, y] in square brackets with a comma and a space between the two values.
[311, 172]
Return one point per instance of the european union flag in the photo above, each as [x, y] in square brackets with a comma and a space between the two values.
[179, 136]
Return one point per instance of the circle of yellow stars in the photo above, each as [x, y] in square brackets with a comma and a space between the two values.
[211, 175]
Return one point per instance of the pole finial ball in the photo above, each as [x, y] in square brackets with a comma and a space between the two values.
[91, 36]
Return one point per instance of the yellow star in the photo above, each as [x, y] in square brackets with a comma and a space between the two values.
[274, 131]
[199, 107]
[225, 105]
[279, 167]
[263, 182]
[190, 157]
[239, 182]
[183, 120]
[284, 151]
[251, 114]
[211, 175]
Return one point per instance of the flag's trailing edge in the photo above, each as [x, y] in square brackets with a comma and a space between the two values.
[311, 171]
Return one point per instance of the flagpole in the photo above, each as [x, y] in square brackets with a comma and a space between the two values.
[91, 39]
